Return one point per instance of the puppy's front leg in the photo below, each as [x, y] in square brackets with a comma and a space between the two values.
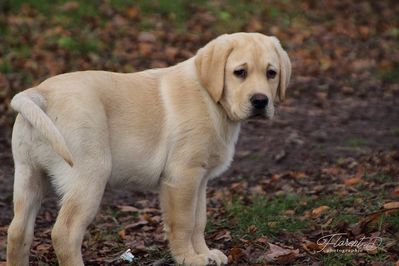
[198, 237]
[178, 201]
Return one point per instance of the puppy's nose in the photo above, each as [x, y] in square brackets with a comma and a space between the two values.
[259, 101]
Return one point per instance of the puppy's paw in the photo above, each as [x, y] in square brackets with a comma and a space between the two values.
[217, 256]
[193, 260]
[212, 257]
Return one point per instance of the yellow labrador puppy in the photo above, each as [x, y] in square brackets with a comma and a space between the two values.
[169, 129]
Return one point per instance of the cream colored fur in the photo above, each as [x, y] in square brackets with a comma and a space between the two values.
[169, 129]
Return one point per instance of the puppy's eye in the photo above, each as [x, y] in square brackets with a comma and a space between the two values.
[271, 74]
[240, 73]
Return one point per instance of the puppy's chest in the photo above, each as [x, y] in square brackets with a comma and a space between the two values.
[219, 161]
[221, 154]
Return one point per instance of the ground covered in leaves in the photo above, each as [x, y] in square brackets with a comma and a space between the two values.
[327, 165]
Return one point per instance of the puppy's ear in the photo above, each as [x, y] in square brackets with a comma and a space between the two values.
[285, 69]
[210, 63]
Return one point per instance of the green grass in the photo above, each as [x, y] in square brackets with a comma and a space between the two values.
[356, 142]
[230, 15]
[21, 51]
[337, 259]
[345, 259]
[266, 215]
[395, 131]
[380, 178]
[82, 46]
[5, 66]
[344, 218]
[391, 75]
[393, 221]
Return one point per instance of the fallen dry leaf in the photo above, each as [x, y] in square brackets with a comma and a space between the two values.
[236, 254]
[289, 212]
[319, 211]
[122, 234]
[262, 240]
[312, 246]
[127, 208]
[359, 227]
[223, 235]
[391, 205]
[357, 178]
[252, 229]
[43, 247]
[352, 181]
[280, 255]
[137, 224]
[371, 249]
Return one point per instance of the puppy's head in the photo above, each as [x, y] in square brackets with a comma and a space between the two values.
[245, 73]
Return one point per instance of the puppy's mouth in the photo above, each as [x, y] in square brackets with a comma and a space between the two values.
[258, 114]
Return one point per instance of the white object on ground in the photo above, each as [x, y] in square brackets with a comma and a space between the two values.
[127, 256]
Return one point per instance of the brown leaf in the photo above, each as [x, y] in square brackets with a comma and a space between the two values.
[127, 208]
[255, 25]
[362, 224]
[48, 216]
[362, 64]
[43, 247]
[135, 225]
[347, 90]
[352, 181]
[281, 255]
[364, 31]
[391, 205]
[224, 234]
[327, 223]
[171, 52]
[145, 48]
[357, 178]
[396, 191]
[236, 254]
[262, 240]
[289, 213]
[133, 12]
[299, 174]
[331, 170]
[69, 6]
[3, 229]
[122, 234]
[147, 218]
[371, 249]
[146, 37]
[252, 229]
[312, 246]
[319, 211]
[279, 156]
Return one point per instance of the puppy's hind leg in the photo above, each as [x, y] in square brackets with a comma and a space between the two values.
[29, 189]
[79, 206]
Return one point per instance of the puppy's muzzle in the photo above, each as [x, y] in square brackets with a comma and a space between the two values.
[259, 103]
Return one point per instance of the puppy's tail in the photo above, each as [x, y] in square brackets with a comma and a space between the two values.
[30, 105]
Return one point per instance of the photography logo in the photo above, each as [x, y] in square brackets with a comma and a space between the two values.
[340, 242]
